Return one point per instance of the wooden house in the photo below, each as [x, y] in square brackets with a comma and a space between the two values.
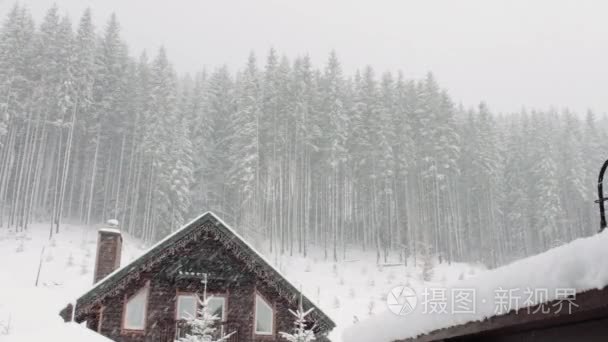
[150, 298]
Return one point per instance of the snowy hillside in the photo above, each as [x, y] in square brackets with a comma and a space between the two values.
[356, 289]
[66, 270]
[347, 291]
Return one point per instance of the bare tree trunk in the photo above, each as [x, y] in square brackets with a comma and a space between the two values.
[8, 164]
[66, 168]
[122, 151]
[93, 174]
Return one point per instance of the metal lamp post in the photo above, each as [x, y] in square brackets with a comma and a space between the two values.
[601, 199]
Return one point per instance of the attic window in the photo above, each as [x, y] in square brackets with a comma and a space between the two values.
[264, 316]
[134, 317]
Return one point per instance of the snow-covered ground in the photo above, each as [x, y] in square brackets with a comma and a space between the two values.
[67, 270]
[553, 275]
[348, 291]
[356, 289]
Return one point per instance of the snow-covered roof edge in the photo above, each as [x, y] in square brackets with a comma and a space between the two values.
[110, 230]
[578, 265]
[190, 225]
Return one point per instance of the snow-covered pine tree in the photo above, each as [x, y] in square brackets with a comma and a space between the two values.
[334, 145]
[16, 53]
[364, 131]
[84, 77]
[218, 110]
[54, 54]
[594, 137]
[514, 200]
[304, 128]
[301, 332]
[106, 147]
[68, 105]
[548, 205]
[244, 144]
[202, 324]
[202, 327]
[402, 149]
[172, 162]
[485, 161]
[139, 151]
[386, 162]
[18, 70]
[269, 138]
[572, 187]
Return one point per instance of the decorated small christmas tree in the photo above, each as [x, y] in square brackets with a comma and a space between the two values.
[301, 334]
[202, 325]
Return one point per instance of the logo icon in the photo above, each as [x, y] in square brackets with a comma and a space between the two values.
[402, 300]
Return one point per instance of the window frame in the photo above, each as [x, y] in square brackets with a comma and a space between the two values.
[178, 320]
[271, 306]
[224, 296]
[185, 294]
[123, 325]
[101, 310]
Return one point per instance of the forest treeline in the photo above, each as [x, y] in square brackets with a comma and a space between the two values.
[289, 153]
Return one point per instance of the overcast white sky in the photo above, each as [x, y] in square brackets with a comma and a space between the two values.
[510, 53]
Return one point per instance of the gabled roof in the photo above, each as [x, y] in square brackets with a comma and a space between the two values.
[257, 263]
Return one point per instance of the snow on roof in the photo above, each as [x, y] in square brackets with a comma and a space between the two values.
[113, 222]
[110, 230]
[579, 265]
[32, 315]
[57, 332]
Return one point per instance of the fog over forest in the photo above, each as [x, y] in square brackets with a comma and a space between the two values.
[292, 154]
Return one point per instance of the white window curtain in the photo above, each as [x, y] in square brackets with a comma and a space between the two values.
[135, 311]
[264, 316]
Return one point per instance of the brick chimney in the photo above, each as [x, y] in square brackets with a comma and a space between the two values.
[109, 245]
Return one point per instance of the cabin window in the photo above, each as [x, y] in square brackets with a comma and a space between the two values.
[186, 306]
[264, 316]
[217, 306]
[135, 311]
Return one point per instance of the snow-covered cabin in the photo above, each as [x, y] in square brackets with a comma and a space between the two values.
[149, 298]
[559, 295]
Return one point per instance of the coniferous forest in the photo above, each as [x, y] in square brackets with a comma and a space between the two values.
[293, 155]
